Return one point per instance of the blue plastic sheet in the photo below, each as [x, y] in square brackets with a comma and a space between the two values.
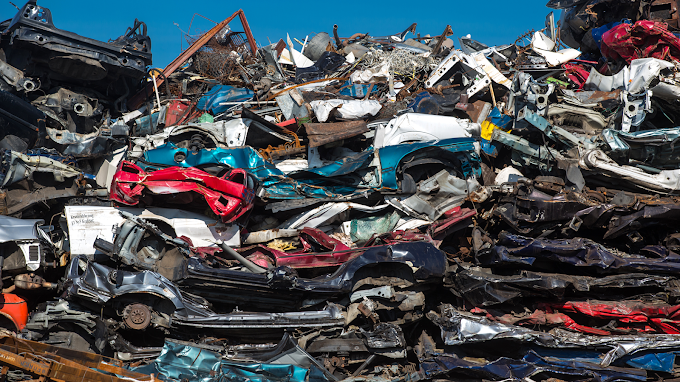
[491, 148]
[212, 100]
[598, 32]
[503, 121]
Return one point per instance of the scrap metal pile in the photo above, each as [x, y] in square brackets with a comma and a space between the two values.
[394, 208]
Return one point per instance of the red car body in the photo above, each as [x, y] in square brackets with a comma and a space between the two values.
[321, 251]
[645, 38]
[631, 316]
[230, 196]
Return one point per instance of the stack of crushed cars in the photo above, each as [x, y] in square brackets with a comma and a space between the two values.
[383, 208]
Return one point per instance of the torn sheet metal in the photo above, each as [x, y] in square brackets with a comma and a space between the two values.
[577, 119]
[461, 328]
[526, 91]
[634, 78]
[88, 283]
[435, 196]
[320, 134]
[412, 127]
[13, 229]
[529, 366]
[653, 147]
[640, 316]
[94, 144]
[27, 236]
[665, 180]
[18, 166]
[53, 363]
[474, 77]
[352, 109]
[495, 75]
[231, 133]
[94, 62]
[230, 196]
[482, 287]
[180, 361]
[624, 41]
[268, 235]
[326, 214]
[86, 224]
[526, 153]
[555, 133]
[545, 47]
[424, 262]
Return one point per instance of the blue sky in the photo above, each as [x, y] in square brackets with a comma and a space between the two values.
[491, 22]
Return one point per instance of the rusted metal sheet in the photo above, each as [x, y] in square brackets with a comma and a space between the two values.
[666, 11]
[59, 364]
[600, 96]
[320, 134]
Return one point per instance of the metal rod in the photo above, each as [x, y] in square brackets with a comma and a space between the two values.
[364, 365]
[245, 262]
